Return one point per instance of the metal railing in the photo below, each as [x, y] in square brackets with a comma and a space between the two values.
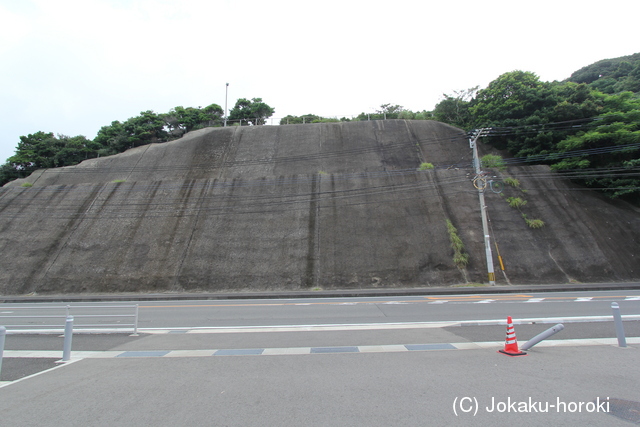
[88, 318]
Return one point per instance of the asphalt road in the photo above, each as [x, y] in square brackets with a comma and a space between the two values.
[338, 361]
[172, 314]
[341, 311]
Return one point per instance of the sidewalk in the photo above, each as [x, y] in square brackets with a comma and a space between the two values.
[189, 383]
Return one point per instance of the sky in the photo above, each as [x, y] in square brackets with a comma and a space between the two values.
[72, 66]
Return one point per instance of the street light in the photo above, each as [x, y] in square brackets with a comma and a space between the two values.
[225, 105]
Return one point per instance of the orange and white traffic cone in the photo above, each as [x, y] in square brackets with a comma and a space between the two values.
[511, 343]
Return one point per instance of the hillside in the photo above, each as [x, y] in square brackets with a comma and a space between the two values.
[611, 75]
[332, 205]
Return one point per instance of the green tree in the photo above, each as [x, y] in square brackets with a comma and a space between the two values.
[298, 120]
[386, 111]
[611, 75]
[619, 126]
[144, 129]
[9, 172]
[112, 139]
[454, 109]
[251, 112]
[188, 119]
[511, 97]
[36, 151]
[75, 149]
[389, 111]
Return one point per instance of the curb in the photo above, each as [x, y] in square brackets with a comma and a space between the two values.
[300, 294]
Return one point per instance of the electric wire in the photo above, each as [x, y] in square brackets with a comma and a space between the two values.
[268, 201]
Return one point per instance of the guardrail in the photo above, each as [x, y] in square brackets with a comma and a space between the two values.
[31, 319]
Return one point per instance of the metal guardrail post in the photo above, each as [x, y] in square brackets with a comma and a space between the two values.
[68, 336]
[542, 336]
[3, 333]
[617, 319]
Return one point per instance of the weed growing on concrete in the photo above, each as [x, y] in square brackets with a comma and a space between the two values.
[460, 258]
[118, 181]
[533, 223]
[516, 202]
[512, 182]
[425, 166]
[493, 161]
[26, 185]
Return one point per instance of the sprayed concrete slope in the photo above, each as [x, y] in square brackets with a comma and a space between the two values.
[337, 205]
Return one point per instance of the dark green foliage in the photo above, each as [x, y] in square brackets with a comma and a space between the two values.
[535, 120]
[250, 112]
[386, 111]
[611, 75]
[188, 119]
[45, 150]
[454, 111]
[309, 118]
[492, 161]
[146, 128]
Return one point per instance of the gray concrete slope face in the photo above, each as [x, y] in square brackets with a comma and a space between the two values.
[338, 205]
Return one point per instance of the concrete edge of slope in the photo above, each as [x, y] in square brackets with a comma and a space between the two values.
[346, 293]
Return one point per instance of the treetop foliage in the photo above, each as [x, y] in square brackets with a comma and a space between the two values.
[611, 75]
[46, 150]
[251, 112]
[540, 121]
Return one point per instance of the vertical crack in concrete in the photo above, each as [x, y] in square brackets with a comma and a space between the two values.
[133, 168]
[74, 225]
[175, 286]
[310, 277]
[569, 279]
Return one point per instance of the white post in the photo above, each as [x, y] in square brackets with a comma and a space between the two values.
[3, 333]
[617, 320]
[543, 336]
[135, 325]
[68, 335]
[226, 93]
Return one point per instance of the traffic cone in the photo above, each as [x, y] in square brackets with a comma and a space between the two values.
[511, 343]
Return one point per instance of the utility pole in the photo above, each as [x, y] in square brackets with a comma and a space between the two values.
[481, 183]
[225, 104]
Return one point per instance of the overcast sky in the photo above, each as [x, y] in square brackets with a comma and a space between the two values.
[73, 66]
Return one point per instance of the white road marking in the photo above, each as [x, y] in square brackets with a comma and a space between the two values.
[583, 299]
[485, 301]
[535, 300]
[632, 299]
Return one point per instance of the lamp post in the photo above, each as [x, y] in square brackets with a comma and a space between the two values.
[225, 104]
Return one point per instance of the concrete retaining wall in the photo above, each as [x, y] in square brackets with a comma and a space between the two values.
[299, 207]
